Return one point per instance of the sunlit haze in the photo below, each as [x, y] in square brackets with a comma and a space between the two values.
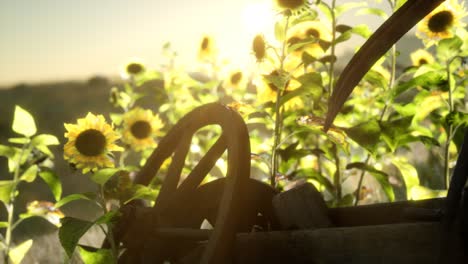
[50, 40]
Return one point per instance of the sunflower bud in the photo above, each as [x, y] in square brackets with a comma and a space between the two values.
[259, 48]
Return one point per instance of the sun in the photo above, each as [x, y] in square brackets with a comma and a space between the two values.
[258, 17]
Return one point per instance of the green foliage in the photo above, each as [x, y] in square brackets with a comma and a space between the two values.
[102, 176]
[23, 122]
[71, 231]
[53, 181]
[73, 197]
[99, 256]
[6, 188]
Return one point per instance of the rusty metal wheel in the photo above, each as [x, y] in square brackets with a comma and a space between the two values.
[170, 230]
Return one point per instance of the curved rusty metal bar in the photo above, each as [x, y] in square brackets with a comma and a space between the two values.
[375, 47]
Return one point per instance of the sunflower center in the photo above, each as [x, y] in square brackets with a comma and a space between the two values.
[134, 68]
[91, 142]
[141, 129]
[312, 32]
[440, 22]
[291, 4]
[422, 61]
[236, 77]
[204, 44]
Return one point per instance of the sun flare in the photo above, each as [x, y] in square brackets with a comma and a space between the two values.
[258, 17]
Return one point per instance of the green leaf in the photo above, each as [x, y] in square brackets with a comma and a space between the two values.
[291, 94]
[312, 84]
[279, 30]
[339, 10]
[328, 59]
[449, 48]
[99, 256]
[17, 253]
[116, 118]
[30, 174]
[107, 218]
[409, 173]
[44, 149]
[379, 175]
[308, 59]
[456, 118]
[6, 188]
[3, 224]
[420, 192]
[313, 174]
[326, 10]
[310, 15]
[372, 11]
[7, 151]
[279, 81]
[53, 181]
[71, 231]
[301, 44]
[342, 28]
[343, 37]
[365, 134]
[399, 3]
[347, 200]
[23, 122]
[393, 131]
[20, 141]
[73, 197]
[102, 176]
[143, 192]
[425, 80]
[375, 78]
[362, 30]
[45, 139]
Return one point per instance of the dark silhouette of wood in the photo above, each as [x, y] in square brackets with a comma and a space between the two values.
[301, 207]
[231, 204]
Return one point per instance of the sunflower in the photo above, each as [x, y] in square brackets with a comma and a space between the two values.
[292, 6]
[259, 47]
[89, 143]
[420, 57]
[441, 22]
[315, 31]
[140, 127]
[207, 49]
[235, 80]
[267, 91]
[133, 68]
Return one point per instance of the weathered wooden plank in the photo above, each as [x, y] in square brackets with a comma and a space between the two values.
[384, 244]
[387, 213]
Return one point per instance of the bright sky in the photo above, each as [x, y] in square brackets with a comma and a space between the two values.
[47, 40]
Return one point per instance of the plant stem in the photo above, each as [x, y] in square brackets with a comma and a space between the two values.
[361, 178]
[332, 51]
[10, 207]
[337, 178]
[110, 234]
[450, 130]
[278, 115]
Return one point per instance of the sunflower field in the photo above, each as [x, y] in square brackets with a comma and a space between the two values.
[396, 138]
